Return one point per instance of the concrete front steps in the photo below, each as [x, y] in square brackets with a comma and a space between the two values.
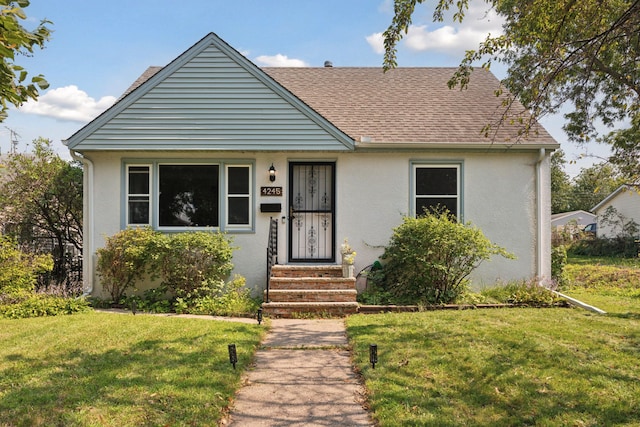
[303, 290]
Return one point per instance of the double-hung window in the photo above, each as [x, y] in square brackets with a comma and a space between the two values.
[238, 196]
[138, 194]
[190, 195]
[436, 187]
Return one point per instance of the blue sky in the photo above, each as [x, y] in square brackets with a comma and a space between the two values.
[98, 48]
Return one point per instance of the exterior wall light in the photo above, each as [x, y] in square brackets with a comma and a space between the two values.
[272, 173]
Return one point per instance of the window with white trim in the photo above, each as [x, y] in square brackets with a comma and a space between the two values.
[436, 187]
[190, 195]
[238, 195]
[138, 195]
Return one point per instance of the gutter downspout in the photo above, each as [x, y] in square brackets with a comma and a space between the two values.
[540, 231]
[579, 303]
[540, 247]
[87, 223]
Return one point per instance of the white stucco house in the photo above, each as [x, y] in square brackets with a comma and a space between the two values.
[626, 201]
[211, 141]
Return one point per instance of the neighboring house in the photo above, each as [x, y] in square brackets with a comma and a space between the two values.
[577, 219]
[626, 201]
[193, 145]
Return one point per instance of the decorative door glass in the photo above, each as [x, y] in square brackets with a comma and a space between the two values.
[312, 212]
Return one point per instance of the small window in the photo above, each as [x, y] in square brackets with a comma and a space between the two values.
[437, 187]
[238, 195]
[138, 195]
[188, 195]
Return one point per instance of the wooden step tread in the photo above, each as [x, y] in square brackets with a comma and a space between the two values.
[279, 270]
[313, 291]
[314, 278]
[308, 304]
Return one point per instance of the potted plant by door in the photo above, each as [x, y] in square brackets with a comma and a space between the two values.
[348, 259]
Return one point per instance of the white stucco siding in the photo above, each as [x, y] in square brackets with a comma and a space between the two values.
[498, 196]
[499, 199]
[107, 194]
[372, 196]
[372, 199]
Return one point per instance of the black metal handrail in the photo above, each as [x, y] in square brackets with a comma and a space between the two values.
[272, 251]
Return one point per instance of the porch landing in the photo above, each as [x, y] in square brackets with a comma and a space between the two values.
[303, 290]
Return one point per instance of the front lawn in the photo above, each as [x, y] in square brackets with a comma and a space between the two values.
[119, 370]
[503, 367]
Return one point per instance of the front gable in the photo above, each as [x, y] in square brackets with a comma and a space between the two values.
[210, 98]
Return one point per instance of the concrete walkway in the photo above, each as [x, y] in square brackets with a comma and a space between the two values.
[302, 377]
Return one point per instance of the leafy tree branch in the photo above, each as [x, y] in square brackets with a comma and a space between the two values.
[16, 40]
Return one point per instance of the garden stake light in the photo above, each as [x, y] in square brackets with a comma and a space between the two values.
[373, 355]
[259, 316]
[233, 356]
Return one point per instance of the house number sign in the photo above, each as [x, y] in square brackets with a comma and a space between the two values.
[271, 191]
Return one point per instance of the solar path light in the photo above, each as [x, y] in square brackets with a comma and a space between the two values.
[373, 355]
[233, 356]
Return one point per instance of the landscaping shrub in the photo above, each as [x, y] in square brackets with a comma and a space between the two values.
[154, 300]
[429, 258]
[18, 277]
[196, 264]
[375, 295]
[621, 246]
[193, 267]
[558, 262]
[523, 292]
[19, 270]
[228, 299]
[37, 305]
[126, 258]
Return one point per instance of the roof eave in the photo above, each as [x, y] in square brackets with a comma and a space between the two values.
[458, 146]
[612, 196]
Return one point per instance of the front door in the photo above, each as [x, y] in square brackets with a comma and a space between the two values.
[312, 212]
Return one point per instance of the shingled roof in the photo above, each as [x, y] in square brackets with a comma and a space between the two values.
[403, 105]
[148, 73]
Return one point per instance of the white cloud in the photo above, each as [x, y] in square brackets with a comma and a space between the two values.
[453, 39]
[386, 7]
[68, 103]
[280, 60]
[376, 41]
[443, 39]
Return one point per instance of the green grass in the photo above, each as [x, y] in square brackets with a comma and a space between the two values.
[544, 367]
[617, 261]
[501, 367]
[98, 369]
[611, 284]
